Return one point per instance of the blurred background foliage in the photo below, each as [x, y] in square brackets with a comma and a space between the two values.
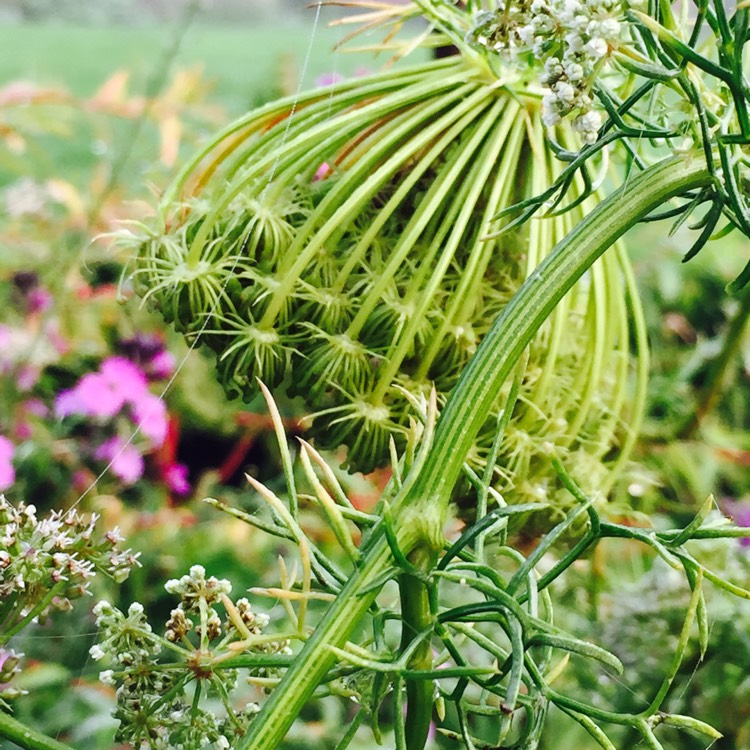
[99, 101]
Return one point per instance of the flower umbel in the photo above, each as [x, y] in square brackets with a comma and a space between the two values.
[47, 563]
[389, 274]
[158, 703]
[571, 39]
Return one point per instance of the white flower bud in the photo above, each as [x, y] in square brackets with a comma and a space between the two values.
[107, 677]
[588, 125]
[566, 94]
[597, 48]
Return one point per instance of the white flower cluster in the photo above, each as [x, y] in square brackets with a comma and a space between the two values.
[59, 551]
[44, 564]
[126, 638]
[202, 643]
[195, 586]
[571, 39]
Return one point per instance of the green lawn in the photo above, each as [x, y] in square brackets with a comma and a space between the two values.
[244, 63]
[244, 67]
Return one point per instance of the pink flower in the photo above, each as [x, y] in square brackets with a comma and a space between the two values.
[5, 337]
[124, 459]
[162, 365]
[125, 377]
[103, 394]
[322, 172]
[175, 477]
[150, 414]
[328, 79]
[27, 377]
[37, 407]
[38, 300]
[93, 396]
[740, 514]
[7, 472]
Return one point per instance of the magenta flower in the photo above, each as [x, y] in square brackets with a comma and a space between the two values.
[148, 352]
[322, 172]
[740, 514]
[124, 459]
[37, 407]
[125, 377]
[5, 336]
[121, 388]
[175, 477]
[39, 300]
[103, 394]
[162, 365]
[27, 377]
[7, 472]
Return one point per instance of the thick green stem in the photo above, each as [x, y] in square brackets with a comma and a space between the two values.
[482, 379]
[416, 617]
[316, 658]
[462, 417]
[25, 737]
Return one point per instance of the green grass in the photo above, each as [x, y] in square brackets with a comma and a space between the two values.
[243, 67]
[244, 63]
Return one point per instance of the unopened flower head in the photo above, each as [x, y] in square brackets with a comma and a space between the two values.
[355, 287]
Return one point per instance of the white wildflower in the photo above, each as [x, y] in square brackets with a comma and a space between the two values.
[597, 48]
[107, 677]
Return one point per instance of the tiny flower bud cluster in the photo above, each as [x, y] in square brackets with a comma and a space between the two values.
[45, 563]
[9, 668]
[39, 554]
[202, 642]
[572, 39]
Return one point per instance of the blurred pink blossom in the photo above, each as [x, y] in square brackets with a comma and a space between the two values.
[120, 387]
[7, 472]
[5, 337]
[150, 414]
[162, 365]
[740, 513]
[175, 477]
[37, 407]
[125, 377]
[93, 396]
[39, 300]
[103, 394]
[27, 377]
[328, 79]
[322, 172]
[125, 460]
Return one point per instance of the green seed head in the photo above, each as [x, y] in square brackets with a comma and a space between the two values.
[387, 271]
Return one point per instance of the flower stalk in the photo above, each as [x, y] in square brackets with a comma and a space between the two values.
[26, 737]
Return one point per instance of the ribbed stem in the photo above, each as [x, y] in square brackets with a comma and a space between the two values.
[416, 617]
[268, 729]
[510, 334]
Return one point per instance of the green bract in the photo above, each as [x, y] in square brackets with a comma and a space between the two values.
[345, 247]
